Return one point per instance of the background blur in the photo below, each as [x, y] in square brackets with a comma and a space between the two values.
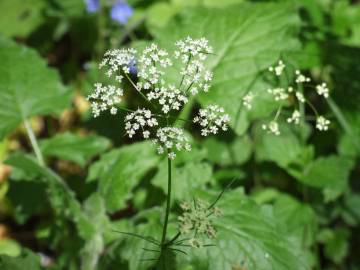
[302, 191]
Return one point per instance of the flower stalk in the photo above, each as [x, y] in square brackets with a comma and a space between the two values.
[33, 141]
[168, 204]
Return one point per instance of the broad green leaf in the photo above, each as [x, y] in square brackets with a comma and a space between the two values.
[247, 38]
[20, 17]
[330, 173]
[79, 149]
[249, 236]
[62, 199]
[185, 178]
[120, 170]
[27, 260]
[9, 247]
[27, 86]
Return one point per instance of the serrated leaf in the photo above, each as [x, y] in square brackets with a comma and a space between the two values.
[27, 86]
[120, 170]
[73, 147]
[248, 236]
[246, 38]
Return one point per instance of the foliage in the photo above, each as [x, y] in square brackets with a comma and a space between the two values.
[75, 193]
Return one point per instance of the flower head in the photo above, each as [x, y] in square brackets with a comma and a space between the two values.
[121, 12]
[197, 218]
[300, 78]
[247, 100]
[211, 119]
[92, 5]
[278, 93]
[272, 127]
[322, 90]
[171, 139]
[322, 123]
[295, 118]
[140, 120]
[104, 98]
[278, 69]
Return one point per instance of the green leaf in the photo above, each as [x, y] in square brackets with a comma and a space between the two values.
[185, 178]
[27, 86]
[249, 236]
[27, 260]
[247, 38]
[330, 173]
[20, 17]
[120, 170]
[73, 147]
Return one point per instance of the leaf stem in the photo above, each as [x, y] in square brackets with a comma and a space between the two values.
[167, 211]
[33, 141]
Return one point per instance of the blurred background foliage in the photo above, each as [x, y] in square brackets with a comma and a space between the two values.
[297, 203]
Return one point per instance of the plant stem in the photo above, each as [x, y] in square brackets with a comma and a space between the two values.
[34, 143]
[168, 199]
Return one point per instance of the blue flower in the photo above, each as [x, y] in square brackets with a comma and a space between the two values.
[121, 12]
[92, 5]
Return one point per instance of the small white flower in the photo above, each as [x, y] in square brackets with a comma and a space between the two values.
[140, 120]
[211, 119]
[322, 90]
[295, 118]
[278, 93]
[171, 139]
[300, 78]
[322, 123]
[247, 100]
[118, 60]
[278, 69]
[300, 97]
[272, 127]
[104, 98]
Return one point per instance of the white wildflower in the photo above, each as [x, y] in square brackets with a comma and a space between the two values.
[247, 100]
[104, 98]
[300, 97]
[171, 139]
[151, 66]
[322, 90]
[170, 98]
[300, 78]
[117, 61]
[278, 69]
[211, 119]
[278, 93]
[322, 123]
[140, 120]
[193, 53]
[295, 118]
[272, 127]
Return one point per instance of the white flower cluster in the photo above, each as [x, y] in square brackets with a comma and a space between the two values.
[247, 100]
[140, 119]
[322, 123]
[278, 93]
[300, 78]
[300, 97]
[104, 98]
[322, 90]
[151, 66]
[278, 69]
[272, 127]
[171, 139]
[193, 53]
[295, 117]
[170, 98]
[211, 119]
[117, 61]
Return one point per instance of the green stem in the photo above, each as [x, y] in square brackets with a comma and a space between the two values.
[34, 143]
[167, 211]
